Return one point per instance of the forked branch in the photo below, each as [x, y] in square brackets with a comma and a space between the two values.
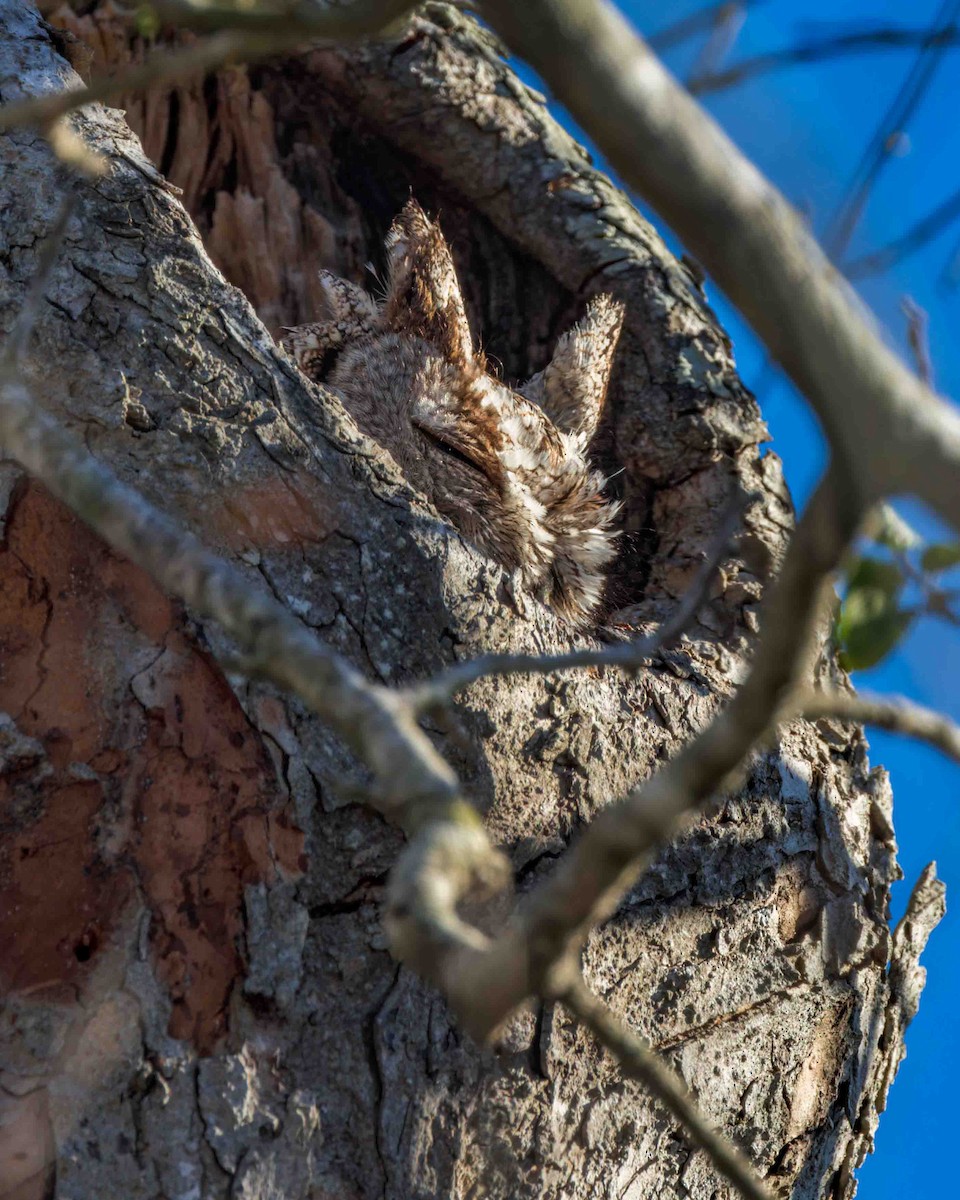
[759, 251]
[749, 239]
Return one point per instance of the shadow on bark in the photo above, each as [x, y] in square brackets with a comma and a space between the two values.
[252, 1035]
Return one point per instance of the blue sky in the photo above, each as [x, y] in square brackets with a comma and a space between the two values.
[806, 127]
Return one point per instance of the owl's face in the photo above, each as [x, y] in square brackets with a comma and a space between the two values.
[507, 468]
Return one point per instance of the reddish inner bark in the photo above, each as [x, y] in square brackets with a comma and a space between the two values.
[151, 782]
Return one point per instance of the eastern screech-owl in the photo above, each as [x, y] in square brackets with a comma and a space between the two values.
[508, 468]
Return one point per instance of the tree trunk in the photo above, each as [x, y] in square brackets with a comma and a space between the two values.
[197, 996]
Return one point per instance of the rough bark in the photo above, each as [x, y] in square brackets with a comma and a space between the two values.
[197, 998]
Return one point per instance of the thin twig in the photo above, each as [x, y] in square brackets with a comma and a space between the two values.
[437, 692]
[823, 49]
[924, 231]
[416, 786]
[936, 600]
[305, 18]
[750, 241]
[950, 275]
[918, 335]
[439, 865]
[363, 18]
[698, 22]
[160, 67]
[841, 228]
[589, 880]
[71, 150]
[639, 1061]
[895, 714]
[723, 34]
[277, 645]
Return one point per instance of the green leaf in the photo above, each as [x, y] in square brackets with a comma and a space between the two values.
[940, 556]
[890, 529]
[869, 627]
[873, 573]
[858, 608]
[872, 641]
[870, 622]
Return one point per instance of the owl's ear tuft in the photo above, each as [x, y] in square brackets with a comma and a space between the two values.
[424, 298]
[351, 313]
[572, 388]
[348, 306]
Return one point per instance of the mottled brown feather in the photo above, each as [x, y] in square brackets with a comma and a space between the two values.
[507, 468]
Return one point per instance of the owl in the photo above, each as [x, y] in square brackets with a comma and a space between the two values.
[508, 467]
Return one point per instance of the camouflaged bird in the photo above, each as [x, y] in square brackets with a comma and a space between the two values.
[508, 468]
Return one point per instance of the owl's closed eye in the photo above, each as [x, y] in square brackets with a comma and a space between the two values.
[507, 467]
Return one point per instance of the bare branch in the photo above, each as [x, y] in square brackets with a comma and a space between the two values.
[918, 335]
[937, 601]
[950, 275]
[306, 18]
[723, 34]
[266, 35]
[749, 239]
[277, 645]
[588, 882]
[433, 873]
[895, 714]
[416, 788]
[72, 150]
[698, 22]
[640, 1062]
[925, 230]
[449, 853]
[823, 49]
[161, 66]
[883, 143]
[627, 656]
